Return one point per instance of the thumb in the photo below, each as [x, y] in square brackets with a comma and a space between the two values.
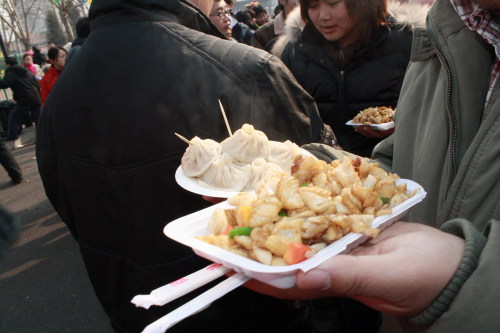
[347, 276]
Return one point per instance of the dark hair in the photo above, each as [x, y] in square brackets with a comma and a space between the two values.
[258, 10]
[369, 15]
[11, 61]
[246, 16]
[250, 12]
[54, 52]
[278, 9]
[83, 27]
[229, 2]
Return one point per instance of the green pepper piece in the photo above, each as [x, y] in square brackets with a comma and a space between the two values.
[242, 231]
[283, 213]
[385, 200]
[305, 184]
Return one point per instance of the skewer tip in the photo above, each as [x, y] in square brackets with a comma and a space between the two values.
[183, 138]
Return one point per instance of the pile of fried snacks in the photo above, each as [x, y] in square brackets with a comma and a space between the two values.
[290, 217]
[374, 115]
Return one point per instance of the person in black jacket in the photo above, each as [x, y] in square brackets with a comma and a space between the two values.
[349, 56]
[240, 31]
[38, 57]
[107, 153]
[82, 28]
[26, 92]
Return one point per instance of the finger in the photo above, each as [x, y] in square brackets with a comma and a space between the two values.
[213, 199]
[387, 132]
[349, 276]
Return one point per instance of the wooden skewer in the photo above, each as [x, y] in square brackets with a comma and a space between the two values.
[183, 139]
[225, 118]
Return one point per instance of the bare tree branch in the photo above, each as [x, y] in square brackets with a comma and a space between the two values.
[19, 17]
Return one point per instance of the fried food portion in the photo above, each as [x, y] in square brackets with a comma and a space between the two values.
[374, 115]
[291, 217]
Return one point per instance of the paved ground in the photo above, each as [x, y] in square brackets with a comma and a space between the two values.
[43, 283]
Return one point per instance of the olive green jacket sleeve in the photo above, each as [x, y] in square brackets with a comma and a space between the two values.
[474, 287]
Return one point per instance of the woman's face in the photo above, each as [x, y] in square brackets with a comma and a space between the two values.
[59, 62]
[331, 19]
[219, 15]
[28, 61]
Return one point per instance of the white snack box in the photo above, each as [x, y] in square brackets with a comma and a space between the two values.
[380, 127]
[184, 229]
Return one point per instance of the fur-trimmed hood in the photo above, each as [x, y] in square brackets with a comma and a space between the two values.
[407, 14]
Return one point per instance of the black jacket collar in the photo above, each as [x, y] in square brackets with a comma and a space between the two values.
[105, 12]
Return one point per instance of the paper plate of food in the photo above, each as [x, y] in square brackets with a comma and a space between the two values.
[296, 221]
[379, 118]
[234, 165]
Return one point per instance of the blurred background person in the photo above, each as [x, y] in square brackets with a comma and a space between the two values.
[261, 16]
[26, 93]
[57, 60]
[247, 17]
[38, 57]
[349, 56]
[82, 28]
[265, 37]
[32, 67]
[220, 16]
[240, 31]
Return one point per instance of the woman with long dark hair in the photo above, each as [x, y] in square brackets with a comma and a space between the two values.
[350, 55]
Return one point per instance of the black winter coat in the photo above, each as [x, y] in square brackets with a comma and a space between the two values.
[373, 77]
[24, 86]
[107, 152]
[242, 33]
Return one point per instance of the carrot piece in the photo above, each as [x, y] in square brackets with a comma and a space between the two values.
[228, 229]
[296, 253]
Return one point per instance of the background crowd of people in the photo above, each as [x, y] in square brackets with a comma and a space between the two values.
[30, 84]
[299, 74]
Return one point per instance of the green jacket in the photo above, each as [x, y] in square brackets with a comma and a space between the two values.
[447, 141]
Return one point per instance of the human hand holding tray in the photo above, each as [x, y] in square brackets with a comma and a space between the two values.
[186, 228]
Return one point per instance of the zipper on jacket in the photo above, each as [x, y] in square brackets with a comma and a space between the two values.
[341, 100]
[342, 72]
[453, 119]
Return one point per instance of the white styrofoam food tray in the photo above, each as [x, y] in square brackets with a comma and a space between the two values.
[184, 229]
[196, 186]
[379, 127]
